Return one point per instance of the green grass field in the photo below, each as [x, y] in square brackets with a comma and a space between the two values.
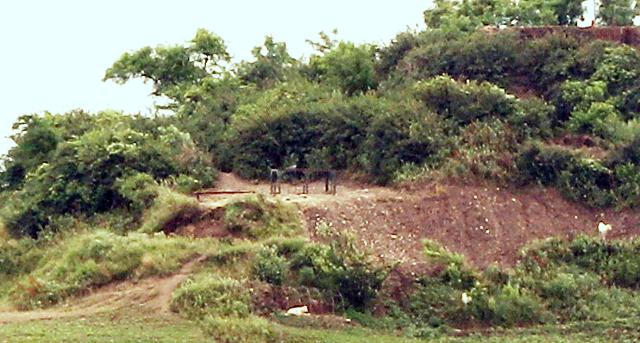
[135, 327]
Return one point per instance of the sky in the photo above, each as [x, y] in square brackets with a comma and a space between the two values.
[54, 54]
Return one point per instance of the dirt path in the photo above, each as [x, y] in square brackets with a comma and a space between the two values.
[151, 295]
[487, 224]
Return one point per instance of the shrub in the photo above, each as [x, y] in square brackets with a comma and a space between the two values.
[465, 102]
[478, 57]
[548, 61]
[287, 246]
[18, 256]
[543, 164]
[627, 191]
[405, 137]
[270, 267]
[567, 291]
[359, 284]
[598, 119]
[169, 208]
[233, 253]
[100, 169]
[210, 295]
[627, 153]
[515, 306]
[533, 120]
[257, 217]
[619, 68]
[434, 303]
[485, 151]
[298, 123]
[341, 274]
[186, 184]
[139, 189]
[588, 181]
[615, 262]
[348, 67]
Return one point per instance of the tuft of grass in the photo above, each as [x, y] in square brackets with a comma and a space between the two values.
[167, 208]
[211, 295]
[242, 330]
[259, 217]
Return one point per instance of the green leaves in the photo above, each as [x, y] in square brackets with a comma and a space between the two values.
[172, 66]
[111, 165]
[348, 67]
[617, 12]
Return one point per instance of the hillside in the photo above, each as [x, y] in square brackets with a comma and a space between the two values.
[488, 186]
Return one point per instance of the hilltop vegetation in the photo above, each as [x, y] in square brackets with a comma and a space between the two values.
[89, 199]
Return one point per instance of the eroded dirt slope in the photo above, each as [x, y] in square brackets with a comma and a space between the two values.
[486, 224]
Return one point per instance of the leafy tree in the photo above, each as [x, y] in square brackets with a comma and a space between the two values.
[390, 56]
[35, 140]
[272, 62]
[467, 15]
[555, 12]
[617, 12]
[346, 66]
[91, 173]
[168, 67]
[208, 51]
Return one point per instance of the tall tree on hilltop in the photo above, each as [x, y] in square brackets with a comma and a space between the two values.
[172, 66]
[617, 12]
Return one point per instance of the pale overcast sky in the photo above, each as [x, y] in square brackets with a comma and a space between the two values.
[54, 53]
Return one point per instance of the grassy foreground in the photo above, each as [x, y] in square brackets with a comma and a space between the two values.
[136, 327]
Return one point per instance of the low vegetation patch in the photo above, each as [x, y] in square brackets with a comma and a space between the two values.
[210, 295]
[168, 210]
[96, 258]
[259, 217]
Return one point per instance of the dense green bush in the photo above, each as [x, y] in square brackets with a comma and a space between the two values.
[615, 262]
[533, 120]
[140, 190]
[259, 217]
[340, 273]
[404, 138]
[547, 61]
[295, 124]
[478, 56]
[87, 173]
[568, 290]
[485, 151]
[515, 306]
[270, 267]
[210, 295]
[588, 181]
[347, 66]
[597, 183]
[544, 164]
[465, 102]
[627, 191]
[18, 256]
[596, 120]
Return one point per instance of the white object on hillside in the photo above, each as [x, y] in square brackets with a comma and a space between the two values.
[298, 311]
[466, 298]
[603, 229]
